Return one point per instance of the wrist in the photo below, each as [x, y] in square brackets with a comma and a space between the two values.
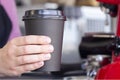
[1, 74]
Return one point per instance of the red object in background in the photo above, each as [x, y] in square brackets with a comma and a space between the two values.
[105, 61]
[111, 71]
[110, 1]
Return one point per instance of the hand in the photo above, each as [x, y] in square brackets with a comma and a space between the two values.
[24, 54]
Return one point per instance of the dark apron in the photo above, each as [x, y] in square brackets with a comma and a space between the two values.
[5, 26]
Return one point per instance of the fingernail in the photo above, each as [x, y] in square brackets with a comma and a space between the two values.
[41, 63]
[51, 48]
[47, 56]
[48, 40]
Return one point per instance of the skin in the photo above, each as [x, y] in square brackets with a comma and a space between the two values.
[24, 54]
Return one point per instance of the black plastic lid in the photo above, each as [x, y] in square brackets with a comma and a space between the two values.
[43, 13]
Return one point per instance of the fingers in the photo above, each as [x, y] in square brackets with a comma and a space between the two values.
[24, 40]
[30, 67]
[32, 49]
[29, 62]
[18, 70]
[27, 59]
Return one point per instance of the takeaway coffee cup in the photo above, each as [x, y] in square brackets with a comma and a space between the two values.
[49, 23]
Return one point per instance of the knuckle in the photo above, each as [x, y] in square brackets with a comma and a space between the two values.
[14, 72]
[12, 41]
[25, 50]
[25, 39]
[11, 49]
[41, 57]
[25, 68]
[24, 60]
[28, 67]
[29, 39]
[34, 66]
[9, 52]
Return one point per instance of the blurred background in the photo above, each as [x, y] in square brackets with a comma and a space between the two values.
[88, 33]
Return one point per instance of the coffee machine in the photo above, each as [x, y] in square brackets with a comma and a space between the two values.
[112, 70]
